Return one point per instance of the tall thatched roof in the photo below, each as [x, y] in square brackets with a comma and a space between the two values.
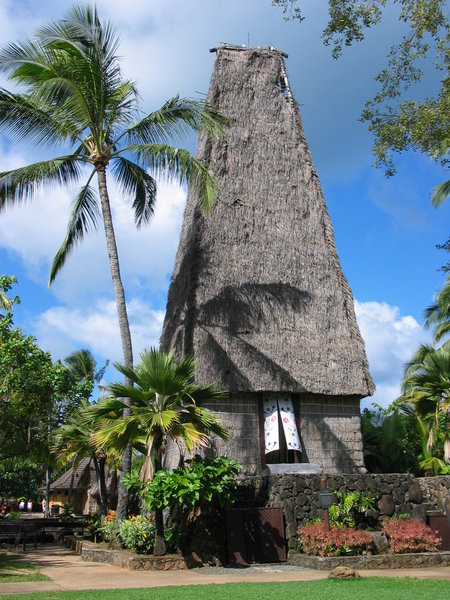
[257, 294]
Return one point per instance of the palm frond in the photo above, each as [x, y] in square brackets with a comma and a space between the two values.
[440, 193]
[27, 116]
[179, 164]
[84, 219]
[175, 120]
[18, 185]
[136, 181]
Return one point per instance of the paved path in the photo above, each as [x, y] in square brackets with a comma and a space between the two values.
[68, 572]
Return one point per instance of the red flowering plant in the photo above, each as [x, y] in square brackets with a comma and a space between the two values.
[106, 530]
[408, 535]
[315, 540]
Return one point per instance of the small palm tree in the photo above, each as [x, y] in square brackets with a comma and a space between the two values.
[74, 441]
[73, 95]
[84, 366]
[426, 385]
[165, 403]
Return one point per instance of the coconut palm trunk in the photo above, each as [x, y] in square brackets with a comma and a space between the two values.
[124, 325]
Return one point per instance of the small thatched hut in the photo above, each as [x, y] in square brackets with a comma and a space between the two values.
[257, 295]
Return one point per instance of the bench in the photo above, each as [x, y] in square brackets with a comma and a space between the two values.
[19, 533]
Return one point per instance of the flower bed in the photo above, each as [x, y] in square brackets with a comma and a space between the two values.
[407, 535]
[315, 540]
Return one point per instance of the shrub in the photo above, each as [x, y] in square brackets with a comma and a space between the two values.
[202, 481]
[138, 534]
[106, 531]
[314, 540]
[408, 535]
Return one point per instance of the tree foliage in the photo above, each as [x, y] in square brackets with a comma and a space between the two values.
[391, 440]
[20, 478]
[36, 395]
[398, 120]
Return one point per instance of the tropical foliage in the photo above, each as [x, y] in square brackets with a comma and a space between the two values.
[392, 439]
[437, 315]
[349, 508]
[426, 386]
[165, 404]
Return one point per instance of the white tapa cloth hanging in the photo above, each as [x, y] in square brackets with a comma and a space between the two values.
[271, 439]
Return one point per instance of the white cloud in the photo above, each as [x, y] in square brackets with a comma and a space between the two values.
[59, 330]
[35, 231]
[391, 340]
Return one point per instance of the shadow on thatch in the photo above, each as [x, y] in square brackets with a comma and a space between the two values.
[232, 377]
[250, 307]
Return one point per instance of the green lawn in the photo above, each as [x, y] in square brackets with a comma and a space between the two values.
[13, 569]
[367, 589]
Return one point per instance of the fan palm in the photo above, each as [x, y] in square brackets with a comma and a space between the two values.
[166, 403]
[426, 385]
[74, 95]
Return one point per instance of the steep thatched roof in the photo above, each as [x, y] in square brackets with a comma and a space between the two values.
[257, 294]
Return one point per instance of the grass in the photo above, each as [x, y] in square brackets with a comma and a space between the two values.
[381, 588]
[13, 569]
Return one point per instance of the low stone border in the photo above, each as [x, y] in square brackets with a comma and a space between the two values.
[91, 552]
[375, 561]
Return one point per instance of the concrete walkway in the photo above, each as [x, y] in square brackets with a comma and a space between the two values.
[68, 572]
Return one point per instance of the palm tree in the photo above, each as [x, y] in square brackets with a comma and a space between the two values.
[83, 365]
[74, 95]
[74, 441]
[438, 314]
[426, 385]
[165, 403]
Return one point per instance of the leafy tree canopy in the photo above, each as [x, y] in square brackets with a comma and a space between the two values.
[35, 394]
[397, 120]
[20, 478]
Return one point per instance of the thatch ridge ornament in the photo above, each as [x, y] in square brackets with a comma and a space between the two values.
[258, 295]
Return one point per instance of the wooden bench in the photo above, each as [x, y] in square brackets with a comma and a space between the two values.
[18, 533]
[61, 528]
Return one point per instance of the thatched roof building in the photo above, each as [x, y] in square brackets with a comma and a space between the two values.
[258, 295]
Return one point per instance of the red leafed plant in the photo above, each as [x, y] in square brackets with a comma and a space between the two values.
[314, 540]
[408, 535]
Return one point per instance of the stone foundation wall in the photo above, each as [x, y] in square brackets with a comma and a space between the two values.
[298, 495]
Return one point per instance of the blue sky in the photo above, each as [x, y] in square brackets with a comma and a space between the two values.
[386, 230]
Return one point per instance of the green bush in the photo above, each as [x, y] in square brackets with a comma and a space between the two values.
[138, 534]
[202, 481]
